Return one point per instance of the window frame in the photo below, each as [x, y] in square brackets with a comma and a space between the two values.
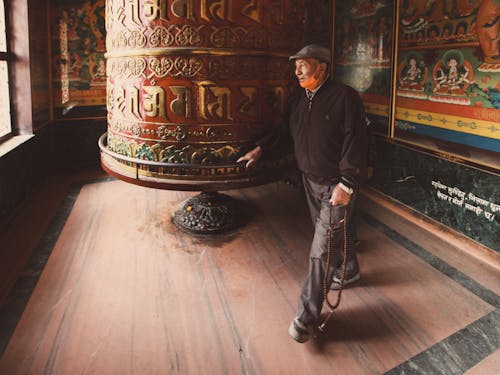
[7, 56]
[18, 60]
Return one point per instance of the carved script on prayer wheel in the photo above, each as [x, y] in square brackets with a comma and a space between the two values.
[192, 84]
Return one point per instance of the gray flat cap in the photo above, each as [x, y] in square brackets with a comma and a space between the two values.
[313, 51]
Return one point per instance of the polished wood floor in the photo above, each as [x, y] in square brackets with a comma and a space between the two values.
[125, 292]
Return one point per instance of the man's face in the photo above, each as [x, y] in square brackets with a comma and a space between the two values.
[308, 68]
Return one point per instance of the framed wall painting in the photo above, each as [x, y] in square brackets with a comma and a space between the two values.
[78, 62]
[363, 49]
[428, 72]
[447, 77]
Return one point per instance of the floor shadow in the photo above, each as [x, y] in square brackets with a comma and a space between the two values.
[384, 276]
[353, 325]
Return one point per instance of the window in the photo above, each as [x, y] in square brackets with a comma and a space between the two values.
[5, 118]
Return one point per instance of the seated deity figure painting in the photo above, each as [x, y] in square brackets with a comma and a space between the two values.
[412, 75]
[452, 75]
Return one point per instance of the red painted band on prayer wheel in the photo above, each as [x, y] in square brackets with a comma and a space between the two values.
[192, 85]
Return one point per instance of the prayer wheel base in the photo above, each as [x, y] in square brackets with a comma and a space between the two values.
[208, 213]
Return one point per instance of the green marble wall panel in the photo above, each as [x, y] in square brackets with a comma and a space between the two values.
[461, 197]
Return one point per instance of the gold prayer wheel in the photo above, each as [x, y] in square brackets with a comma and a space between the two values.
[192, 84]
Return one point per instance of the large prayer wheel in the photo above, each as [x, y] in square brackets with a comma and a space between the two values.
[192, 84]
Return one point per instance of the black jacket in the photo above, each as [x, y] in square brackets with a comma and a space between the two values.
[329, 136]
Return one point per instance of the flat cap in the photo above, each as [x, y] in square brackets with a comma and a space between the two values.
[313, 51]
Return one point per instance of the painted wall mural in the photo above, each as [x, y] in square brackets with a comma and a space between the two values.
[363, 53]
[78, 43]
[448, 73]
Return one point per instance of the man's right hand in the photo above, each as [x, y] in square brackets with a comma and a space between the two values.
[251, 157]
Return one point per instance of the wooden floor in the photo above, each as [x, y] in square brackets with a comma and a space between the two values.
[125, 292]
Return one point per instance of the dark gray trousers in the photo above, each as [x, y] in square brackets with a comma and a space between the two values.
[311, 297]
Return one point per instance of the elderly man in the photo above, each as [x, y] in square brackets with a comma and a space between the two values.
[327, 125]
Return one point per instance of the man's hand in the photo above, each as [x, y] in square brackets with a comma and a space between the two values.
[339, 197]
[251, 156]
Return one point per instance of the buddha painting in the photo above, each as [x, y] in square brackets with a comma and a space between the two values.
[412, 74]
[451, 76]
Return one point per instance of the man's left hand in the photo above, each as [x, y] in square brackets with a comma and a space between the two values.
[339, 197]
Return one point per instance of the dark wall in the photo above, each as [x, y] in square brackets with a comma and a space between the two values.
[21, 170]
[57, 148]
[75, 143]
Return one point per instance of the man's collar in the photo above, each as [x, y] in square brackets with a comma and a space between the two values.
[310, 93]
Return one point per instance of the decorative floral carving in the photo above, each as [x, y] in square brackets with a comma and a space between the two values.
[137, 39]
[174, 153]
[189, 36]
[189, 67]
[161, 37]
[161, 67]
[136, 66]
[225, 37]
